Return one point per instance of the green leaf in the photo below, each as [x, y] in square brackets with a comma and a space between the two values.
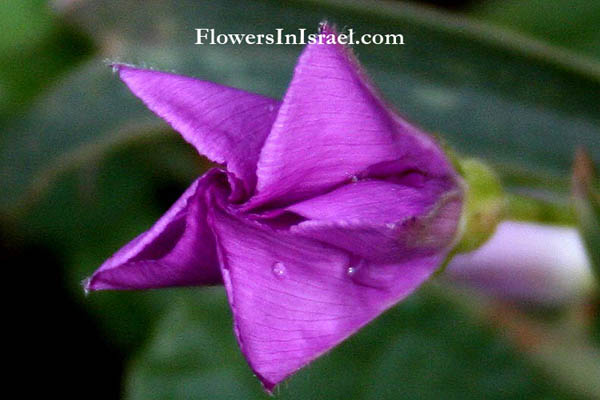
[519, 104]
[572, 24]
[422, 349]
[31, 21]
[192, 354]
[35, 48]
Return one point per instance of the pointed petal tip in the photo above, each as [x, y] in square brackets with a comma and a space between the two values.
[267, 385]
[99, 280]
[326, 28]
[93, 284]
[85, 284]
[117, 66]
[121, 68]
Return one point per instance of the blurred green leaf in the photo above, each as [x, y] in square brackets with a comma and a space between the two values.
[35, 48]
[520, 105]
[422, 349]
[192, 354]
[572, 24]
[30, 21]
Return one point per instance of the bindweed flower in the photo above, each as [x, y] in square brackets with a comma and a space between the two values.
[329, 208]
[527, 262]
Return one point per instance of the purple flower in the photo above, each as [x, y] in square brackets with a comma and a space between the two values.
[527, 262]
[329, 209]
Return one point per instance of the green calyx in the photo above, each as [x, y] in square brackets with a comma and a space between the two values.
[484, 204]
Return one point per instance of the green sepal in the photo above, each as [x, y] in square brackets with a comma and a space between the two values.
[484, 204]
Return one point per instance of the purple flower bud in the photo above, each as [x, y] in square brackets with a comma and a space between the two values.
[330, 208]
[527, 262]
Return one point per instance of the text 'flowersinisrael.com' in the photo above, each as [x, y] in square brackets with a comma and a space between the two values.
[300, 37]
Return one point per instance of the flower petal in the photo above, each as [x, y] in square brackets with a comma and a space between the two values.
[369, 200]
[391, 241]
[294, 298]
[179, 250]
[330, 126]
[530, 262]
[225, 124]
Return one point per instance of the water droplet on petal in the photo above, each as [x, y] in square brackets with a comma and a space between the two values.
[354, 178]
[278, 269]
[355, 266]
[390, 225]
